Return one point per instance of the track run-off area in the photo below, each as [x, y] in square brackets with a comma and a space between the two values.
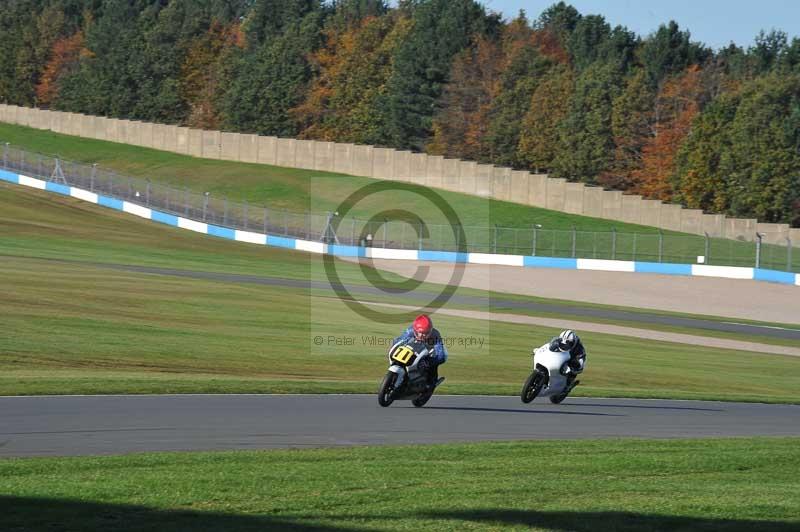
[118, 424]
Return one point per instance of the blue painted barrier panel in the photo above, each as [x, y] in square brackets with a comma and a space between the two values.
[105, 201]
[550, 262]
[165, 218]
[774, 276]
[667, 268]
[281, 242]
[222, 232]
[9, 176]
[346, 251]
[57, 188]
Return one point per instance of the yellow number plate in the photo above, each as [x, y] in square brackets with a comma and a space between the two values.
[403, 355]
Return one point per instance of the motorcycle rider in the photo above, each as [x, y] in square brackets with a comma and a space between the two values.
[569, 342]
[422, 330]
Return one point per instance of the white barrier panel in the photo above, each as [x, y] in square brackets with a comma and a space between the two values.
[731, 272]
[191, 225]
[313, 247]
[137, 210]
[797, 279]
[488, 258]
[253, 238]
[31, 182]
[606, 265]
[84, 195]
[402, 254]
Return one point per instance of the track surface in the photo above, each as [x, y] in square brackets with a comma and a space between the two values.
[87, 425]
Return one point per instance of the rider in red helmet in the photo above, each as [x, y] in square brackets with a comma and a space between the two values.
[422, 330]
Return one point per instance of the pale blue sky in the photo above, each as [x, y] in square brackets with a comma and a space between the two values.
[713, 22]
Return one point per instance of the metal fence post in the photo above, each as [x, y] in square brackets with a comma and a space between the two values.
[186, 201]
[758, 249]
[574, 238]
[788, 254]
[147, 194]
[353, 233]
[707, 248]
[244, 215]
[634, 246]
[266, 219]
[494, 244]
[533, 244]
[419, 236]
[385, 224]
[613, 243]
[205, 205]
[92, 176]
[111, 184]
[225, 211]
[6, 147]
[660, 245]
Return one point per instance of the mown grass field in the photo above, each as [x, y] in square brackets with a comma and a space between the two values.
[613, 485]
[80, 326]
[303, 190]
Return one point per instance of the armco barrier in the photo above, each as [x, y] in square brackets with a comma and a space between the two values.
[401, 254]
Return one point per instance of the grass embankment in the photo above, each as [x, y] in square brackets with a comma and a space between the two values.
[78, 327]
[615, 485]
[303, 190]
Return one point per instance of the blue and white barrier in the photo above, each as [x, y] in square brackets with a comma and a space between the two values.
[702, 270]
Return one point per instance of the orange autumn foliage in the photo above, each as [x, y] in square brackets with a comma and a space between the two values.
[65, 52]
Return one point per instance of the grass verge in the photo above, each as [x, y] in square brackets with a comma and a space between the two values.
[615, 485]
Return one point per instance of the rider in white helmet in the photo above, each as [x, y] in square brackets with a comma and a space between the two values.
[569, 342]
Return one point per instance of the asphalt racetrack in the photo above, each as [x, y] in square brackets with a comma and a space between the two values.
[93, 425]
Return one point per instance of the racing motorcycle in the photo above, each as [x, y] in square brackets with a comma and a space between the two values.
[407, 377]
[546, 379]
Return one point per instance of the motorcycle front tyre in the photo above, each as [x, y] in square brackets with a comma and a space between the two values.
[386, 388]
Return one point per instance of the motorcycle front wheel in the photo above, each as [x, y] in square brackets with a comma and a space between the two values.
[533, 385]
[386, 388]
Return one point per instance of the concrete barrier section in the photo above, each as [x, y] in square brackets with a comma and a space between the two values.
[362, 160]
[170, 138]
[248, 148]
[519, 186]
[343, 158]
[383, 163]
[606, 265]
[402, 165]
[537, 190]
[731, 272]
[593, 202]
[612, 205]
[740, 229]
[501, 183]
[182, 140]
[267, 150]
[556, 192]
[419, 168]
[196, 142]
[229, 146]
[651, 212]
[159, 136]
[433, 171]
[467, 174]
[324, 156]
[212, 142]
[670, 217]
[713, 224]
[304, 154]
[287, 153]
[450, 179]
[146, 135]
[574, 197]
[483, 180]
[631, 209]
[691, 221]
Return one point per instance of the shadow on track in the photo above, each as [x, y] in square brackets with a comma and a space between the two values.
[697, 409]
[519, 411]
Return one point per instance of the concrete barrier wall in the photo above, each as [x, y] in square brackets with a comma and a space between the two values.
[384, 163]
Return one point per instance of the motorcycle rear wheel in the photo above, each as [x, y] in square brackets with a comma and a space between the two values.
[533, 385]
[386, 388]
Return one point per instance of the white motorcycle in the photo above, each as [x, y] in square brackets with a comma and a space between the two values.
[546, 379]
[407, 377]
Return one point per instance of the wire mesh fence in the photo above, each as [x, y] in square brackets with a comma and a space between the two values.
[654, 246]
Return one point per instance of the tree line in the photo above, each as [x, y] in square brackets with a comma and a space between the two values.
[564, 92]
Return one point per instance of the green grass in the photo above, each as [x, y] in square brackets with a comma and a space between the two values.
[78, 326]
[303, 190]
[610, 485]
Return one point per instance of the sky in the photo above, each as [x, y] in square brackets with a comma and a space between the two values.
[713, 22]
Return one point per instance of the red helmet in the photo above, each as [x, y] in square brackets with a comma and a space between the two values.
[422, 327]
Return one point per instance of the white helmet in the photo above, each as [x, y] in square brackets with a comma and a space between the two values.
[567, 340]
